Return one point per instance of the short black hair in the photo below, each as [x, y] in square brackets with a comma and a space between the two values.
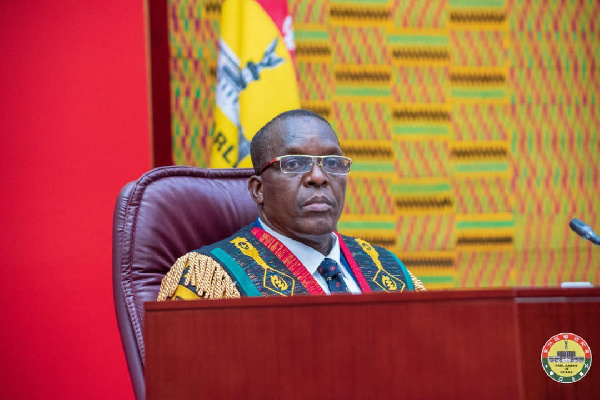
[260, 143]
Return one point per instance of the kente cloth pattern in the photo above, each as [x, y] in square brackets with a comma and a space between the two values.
[472, 126]
[259, 269]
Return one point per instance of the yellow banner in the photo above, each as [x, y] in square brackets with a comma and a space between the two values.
[256, 79]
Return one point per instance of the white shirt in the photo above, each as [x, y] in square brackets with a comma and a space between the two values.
[311, 258]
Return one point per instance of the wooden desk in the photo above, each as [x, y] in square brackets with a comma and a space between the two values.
[483, 344]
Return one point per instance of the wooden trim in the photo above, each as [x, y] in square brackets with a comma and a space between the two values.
[159, 87]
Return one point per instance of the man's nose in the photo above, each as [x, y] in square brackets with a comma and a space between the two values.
[316, 176]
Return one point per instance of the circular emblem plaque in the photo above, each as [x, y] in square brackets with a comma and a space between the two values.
[566, 358]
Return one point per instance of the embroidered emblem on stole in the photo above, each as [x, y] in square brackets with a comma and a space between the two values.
[275, 281]
[292, 263]
[382, 278]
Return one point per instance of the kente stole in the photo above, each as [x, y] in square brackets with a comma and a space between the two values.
[260, 265]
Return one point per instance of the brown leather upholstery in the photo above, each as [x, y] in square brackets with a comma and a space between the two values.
[166, 213]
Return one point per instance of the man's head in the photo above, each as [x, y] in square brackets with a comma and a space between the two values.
[303, 206]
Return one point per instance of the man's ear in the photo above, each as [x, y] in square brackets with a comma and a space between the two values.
[255, 186]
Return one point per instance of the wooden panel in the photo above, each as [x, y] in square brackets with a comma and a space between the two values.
[451, 345]
[431, 345]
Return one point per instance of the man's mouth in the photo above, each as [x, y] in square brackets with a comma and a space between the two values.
[318, 204]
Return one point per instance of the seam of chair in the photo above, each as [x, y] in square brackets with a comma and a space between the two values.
[127, 272]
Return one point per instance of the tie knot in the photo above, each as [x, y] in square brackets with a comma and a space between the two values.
[328, 268]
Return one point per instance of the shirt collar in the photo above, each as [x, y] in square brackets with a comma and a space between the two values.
[308, 256]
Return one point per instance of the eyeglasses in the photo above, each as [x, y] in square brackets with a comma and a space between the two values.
[301, 164]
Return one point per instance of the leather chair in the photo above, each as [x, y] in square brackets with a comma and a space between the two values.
[166, 213]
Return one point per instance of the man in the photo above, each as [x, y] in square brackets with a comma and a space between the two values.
[293, 247]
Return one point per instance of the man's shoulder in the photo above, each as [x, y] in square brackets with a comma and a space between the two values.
[364, 250]
[196, 275]
[363, 244]
[199, 274]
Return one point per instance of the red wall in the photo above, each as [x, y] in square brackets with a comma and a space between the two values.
[74, 129]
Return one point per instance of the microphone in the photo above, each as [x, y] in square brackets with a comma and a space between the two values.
[584, 230]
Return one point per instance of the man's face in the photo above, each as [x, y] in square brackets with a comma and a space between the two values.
[302, 206]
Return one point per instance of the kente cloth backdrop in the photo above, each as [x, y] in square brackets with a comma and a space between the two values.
[473, 126]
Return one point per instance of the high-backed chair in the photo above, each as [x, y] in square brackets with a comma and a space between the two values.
[166, 213]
